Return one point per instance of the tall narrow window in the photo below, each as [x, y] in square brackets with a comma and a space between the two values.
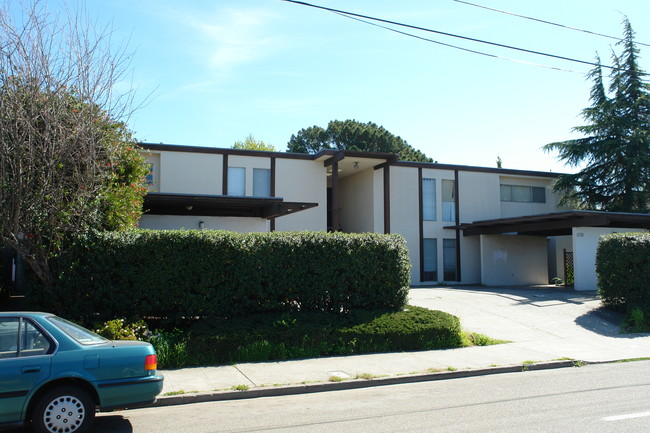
[448, 201]
[428, 199]
[236, 181]
[430, 259]
[261, 182]
[449, 259]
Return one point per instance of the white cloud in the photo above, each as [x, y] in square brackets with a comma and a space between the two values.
[227, 38]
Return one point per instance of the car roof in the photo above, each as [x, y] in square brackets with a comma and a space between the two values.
[25, 313]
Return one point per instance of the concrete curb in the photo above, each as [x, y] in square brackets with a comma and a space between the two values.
[355, 383]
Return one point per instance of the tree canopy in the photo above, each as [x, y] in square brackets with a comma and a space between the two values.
[67, 163]
[353, 135]
[250, 143]
[615, 148]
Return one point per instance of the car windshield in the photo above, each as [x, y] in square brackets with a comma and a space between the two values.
[80, 334]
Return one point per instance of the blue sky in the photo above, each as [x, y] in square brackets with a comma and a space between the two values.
[213, 72]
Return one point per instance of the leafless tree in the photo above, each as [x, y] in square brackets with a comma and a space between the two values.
[60, 125]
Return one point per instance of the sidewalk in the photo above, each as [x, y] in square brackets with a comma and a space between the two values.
[547, 327]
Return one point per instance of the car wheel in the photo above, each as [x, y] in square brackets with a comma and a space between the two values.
[63, 410]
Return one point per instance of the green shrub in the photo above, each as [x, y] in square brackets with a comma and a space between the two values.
[182, 275]
[120, 329]
[267, 337]
[623, 268]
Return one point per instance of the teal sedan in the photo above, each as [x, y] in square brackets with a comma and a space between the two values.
[54, 374]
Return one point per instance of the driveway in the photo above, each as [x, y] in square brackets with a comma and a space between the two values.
[548, 321]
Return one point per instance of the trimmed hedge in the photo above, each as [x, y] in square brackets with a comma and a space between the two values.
[180, 275]
[268, 337]
[623, 268]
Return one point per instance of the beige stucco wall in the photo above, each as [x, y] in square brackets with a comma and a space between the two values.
[356, 199]
[178, 222]
[585, 241]
[513, 260]
[513, 209]
[302, 181]
[190, 173]
[404, 213]
[479, 195]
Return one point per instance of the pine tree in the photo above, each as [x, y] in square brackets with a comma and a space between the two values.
[616, 146]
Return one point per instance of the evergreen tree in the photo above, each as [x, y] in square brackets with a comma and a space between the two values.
[616, 146]
[353, 135]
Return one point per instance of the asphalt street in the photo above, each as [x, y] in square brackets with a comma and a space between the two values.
[606, 398]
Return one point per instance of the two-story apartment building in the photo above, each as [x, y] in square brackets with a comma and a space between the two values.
[463, 224]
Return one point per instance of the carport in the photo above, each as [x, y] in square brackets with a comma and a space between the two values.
[534, 249]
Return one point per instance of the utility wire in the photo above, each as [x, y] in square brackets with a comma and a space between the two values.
[459, 48]
[544, 21]
[341, 12]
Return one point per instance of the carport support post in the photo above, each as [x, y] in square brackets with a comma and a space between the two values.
[336, 223]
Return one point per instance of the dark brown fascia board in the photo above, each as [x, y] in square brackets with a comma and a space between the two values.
[504, 171]
[222, 151]
[557, 222]
[390, 158]
[338, 156]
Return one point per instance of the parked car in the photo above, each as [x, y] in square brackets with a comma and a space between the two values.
[55, 374]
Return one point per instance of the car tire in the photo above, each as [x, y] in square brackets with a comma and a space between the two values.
[66, 409]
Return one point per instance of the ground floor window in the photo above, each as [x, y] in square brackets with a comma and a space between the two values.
[449, 259]
[430, 260]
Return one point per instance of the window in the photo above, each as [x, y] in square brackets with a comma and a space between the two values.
[9, 337]
[82, 335]
[149, 180]
[449, 259]
[261, 182]
[523, 194]
[428, 199]
[21, 338]
[430, 260]
[236, 181]
[448, 200]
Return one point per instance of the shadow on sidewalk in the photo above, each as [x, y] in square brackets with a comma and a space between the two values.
[604, 321]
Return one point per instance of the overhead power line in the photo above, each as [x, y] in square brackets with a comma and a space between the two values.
[424, 29]
[460, 48]
[544, 21]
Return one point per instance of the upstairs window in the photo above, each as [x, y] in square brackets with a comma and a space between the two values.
[523, 194]
[236, 181]
[448, 200]
[428, 199]
[261, 182]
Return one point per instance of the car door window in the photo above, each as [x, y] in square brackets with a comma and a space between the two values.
[33, 342]
[9, 337]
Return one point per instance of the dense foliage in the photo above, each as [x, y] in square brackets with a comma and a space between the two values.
[177, 275]
[615, 149]
[67, 163]
[353, 135]
[292, 335]
[623, 267]
[250, 143]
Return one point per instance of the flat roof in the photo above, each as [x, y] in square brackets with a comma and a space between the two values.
[338, 155]
[555, 224]
[156, 203]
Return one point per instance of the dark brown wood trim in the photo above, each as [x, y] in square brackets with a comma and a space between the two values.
[387, 199]
[224, 182]
[272, 192]
[336, 219]
[420, 224]
[334, 159]
[458, 234]
[503, 171]
[221, 151]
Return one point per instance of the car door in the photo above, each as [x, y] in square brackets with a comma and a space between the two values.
[25, 360]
